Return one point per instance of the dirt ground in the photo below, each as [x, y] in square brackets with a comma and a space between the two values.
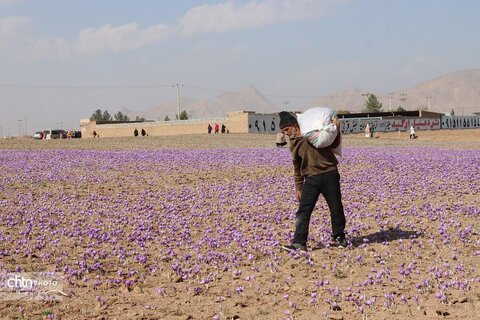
[190, 212]
[467, 138]
[436, 135]
[428, 136]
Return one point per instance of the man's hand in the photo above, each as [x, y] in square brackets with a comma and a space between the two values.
[336, 122]
[298, 195]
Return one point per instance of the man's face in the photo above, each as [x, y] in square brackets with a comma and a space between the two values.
[291, 131]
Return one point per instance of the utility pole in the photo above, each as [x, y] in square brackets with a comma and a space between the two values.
[25, 132]
[403, 98]
[178, 98]
[286, 104]
[19, 122]
[390, 95]
[428, 102]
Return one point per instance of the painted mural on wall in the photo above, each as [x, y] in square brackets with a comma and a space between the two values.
[460, 122]
[269, 123]
[380, 125]
[446, 122]
[263, 123]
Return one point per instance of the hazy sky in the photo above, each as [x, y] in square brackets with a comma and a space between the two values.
[61, 60]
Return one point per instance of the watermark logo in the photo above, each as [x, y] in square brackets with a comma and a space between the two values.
[31, 285]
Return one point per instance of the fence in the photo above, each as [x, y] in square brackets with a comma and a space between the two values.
[388, 125]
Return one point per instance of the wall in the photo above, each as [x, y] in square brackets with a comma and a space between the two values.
[236, 122]
[385, 125]
[250, 122]
[263, 123]
[460, 122]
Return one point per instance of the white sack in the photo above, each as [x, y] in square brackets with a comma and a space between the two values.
[316, 125]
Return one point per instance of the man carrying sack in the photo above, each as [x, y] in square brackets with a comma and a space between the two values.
[315, 172]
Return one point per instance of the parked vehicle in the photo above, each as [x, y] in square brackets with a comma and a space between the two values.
[38, 135]
[57, 134]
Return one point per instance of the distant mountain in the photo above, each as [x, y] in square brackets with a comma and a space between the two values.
[249, 99]
[459, 91]
[350, 99]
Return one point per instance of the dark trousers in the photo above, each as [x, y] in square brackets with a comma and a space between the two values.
[327, 184]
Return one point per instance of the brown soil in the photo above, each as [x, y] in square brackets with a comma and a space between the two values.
[283, 281]
[450, 138]
[466, 135]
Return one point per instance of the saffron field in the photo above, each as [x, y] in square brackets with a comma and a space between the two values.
[169, 229]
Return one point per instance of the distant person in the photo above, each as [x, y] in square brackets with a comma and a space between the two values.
[264, 126]
[95, 134]
[280, 139]
[144, 133]
[135, 132]
[367, 130]
[209, 129]
[223, 128]
[412, 132]
[216, 127]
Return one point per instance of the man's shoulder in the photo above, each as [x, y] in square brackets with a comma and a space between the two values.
[298, 143]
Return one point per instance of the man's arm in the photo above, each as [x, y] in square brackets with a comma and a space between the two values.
[297, 176]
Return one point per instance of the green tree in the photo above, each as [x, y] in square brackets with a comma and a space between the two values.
[400, 109]
[184, 115]
[372, 104]
[100, 115]
[120, 117]
[167, 118]
[340, 111]
[138, 118]
[106, 116]
[452, 112]
[97, 115]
